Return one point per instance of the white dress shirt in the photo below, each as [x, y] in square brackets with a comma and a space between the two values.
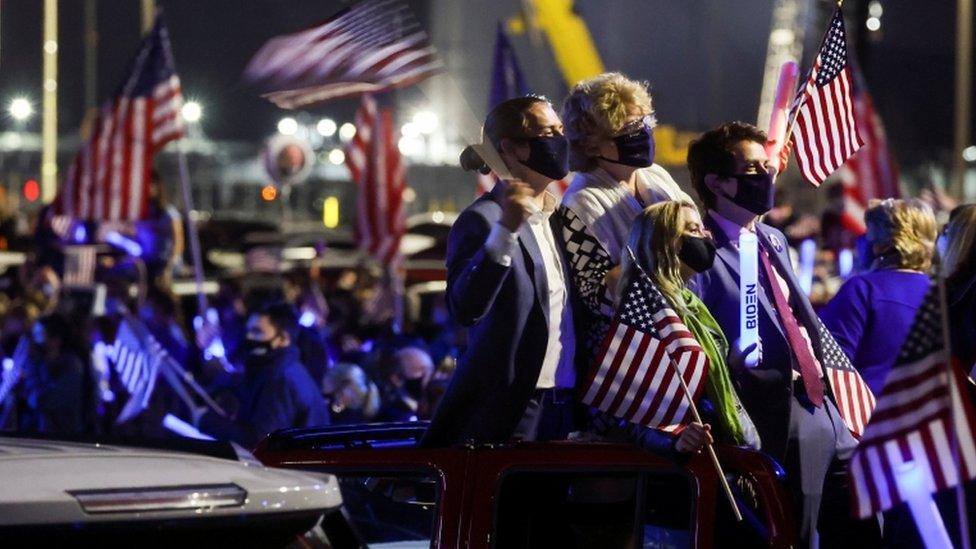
[557, 366]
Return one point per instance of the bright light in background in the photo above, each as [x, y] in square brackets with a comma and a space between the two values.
[969, 153]
[191, 111]
[287, 126]
[410, 146]
[409, 130]
[873, 24]
[269, 193]
[32, 190]
[426, 122]
[875, 9]
[347, 131]
[330, 212]
[409, 195]
[326, 127]
[336, 156]
[21, 109]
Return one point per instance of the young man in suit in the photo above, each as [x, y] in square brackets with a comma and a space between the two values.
[785, 393]
[506, 281]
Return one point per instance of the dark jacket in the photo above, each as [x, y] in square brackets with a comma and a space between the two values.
[962, 319]
[276, 395]
[506, 310]
[765, 390]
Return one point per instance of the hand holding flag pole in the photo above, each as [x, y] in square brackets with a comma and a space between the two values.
[694, 412]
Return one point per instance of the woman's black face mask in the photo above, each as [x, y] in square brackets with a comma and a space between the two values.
[635, 149]
[698, 253]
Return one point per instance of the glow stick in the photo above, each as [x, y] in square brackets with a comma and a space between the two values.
[183, 428]
[808, 256]
[912, 485]
[749, 296]
[130, 246]
[845, 263]
[785, 91]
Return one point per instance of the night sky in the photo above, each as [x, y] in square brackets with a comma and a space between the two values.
[703, 58]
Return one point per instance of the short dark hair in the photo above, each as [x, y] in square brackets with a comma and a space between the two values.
[282, 317]
[712, 154]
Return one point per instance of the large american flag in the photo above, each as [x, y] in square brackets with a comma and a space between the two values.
[914, 419]
[643, 353]
[109, 178]
[872, 172]
[825, 133]
[372, 46]
[137, 357]
[374, 163]
[854, 398]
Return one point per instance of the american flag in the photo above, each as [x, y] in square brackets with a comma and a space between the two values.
[872, 172]
[109, 178]
[372, 46]
[374, 162]
[914, 419]
[825, 133]
[646, 347]
[264, 259]
[855, 401]
[79, 266]
[137, 357]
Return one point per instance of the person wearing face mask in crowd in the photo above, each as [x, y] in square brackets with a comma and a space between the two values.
[669, 244]
[793, 409]
[53, 392]
[275, 391]
[412, 372]
[506, 282]
[610, 126]
[957, 251]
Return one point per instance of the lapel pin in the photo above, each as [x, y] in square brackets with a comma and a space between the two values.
[777, 244]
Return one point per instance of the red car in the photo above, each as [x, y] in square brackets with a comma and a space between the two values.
[558, 494]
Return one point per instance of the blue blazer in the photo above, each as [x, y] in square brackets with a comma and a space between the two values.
[506, 310]
[765, 390]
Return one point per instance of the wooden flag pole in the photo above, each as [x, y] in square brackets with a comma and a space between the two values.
[694, 412]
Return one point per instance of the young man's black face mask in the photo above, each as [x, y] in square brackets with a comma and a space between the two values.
[755, 192]
[549, 156]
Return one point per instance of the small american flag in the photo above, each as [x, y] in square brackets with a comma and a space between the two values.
[825, 133]
[79, 266]
[855, 402]
[109, 178]
[645, 349]
[137, 357]
[913, 421]
[872, 172]
[372, 46]
[374, 162]
[264, 259]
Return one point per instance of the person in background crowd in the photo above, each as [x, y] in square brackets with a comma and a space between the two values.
[276, 391]
[161, 234]
[785, 394]
[412, 371]
[353, 398]
[506, 281]
[670, 245]
[303, 294]
[958, 251]
[53, 393]
[872, 313]
[610, 126]
[835, 235]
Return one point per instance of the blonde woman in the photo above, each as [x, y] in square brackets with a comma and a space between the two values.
[669, 244]
[609, 121]
[871, 314]
[959, 265]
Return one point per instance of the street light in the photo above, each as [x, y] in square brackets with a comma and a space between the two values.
[969, 153]
[426, 122]
[347, 131]
[287, 126]
[20, 109]
[326, 127]
[336, 156]
[191, 111]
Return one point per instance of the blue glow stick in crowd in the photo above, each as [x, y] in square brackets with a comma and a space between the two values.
[749, 296]
[130, 246]
[183, 428]
[845, 263]
[808, 256]
[916, 491]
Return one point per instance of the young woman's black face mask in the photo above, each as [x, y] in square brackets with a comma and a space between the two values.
[698, 253]
[549, 156]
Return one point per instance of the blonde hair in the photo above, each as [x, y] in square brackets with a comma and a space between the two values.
[654, 241]
[906, 226]
[960, 241]
[597, 109]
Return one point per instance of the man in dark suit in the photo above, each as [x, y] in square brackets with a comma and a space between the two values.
[785, 393]
[506, 283]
